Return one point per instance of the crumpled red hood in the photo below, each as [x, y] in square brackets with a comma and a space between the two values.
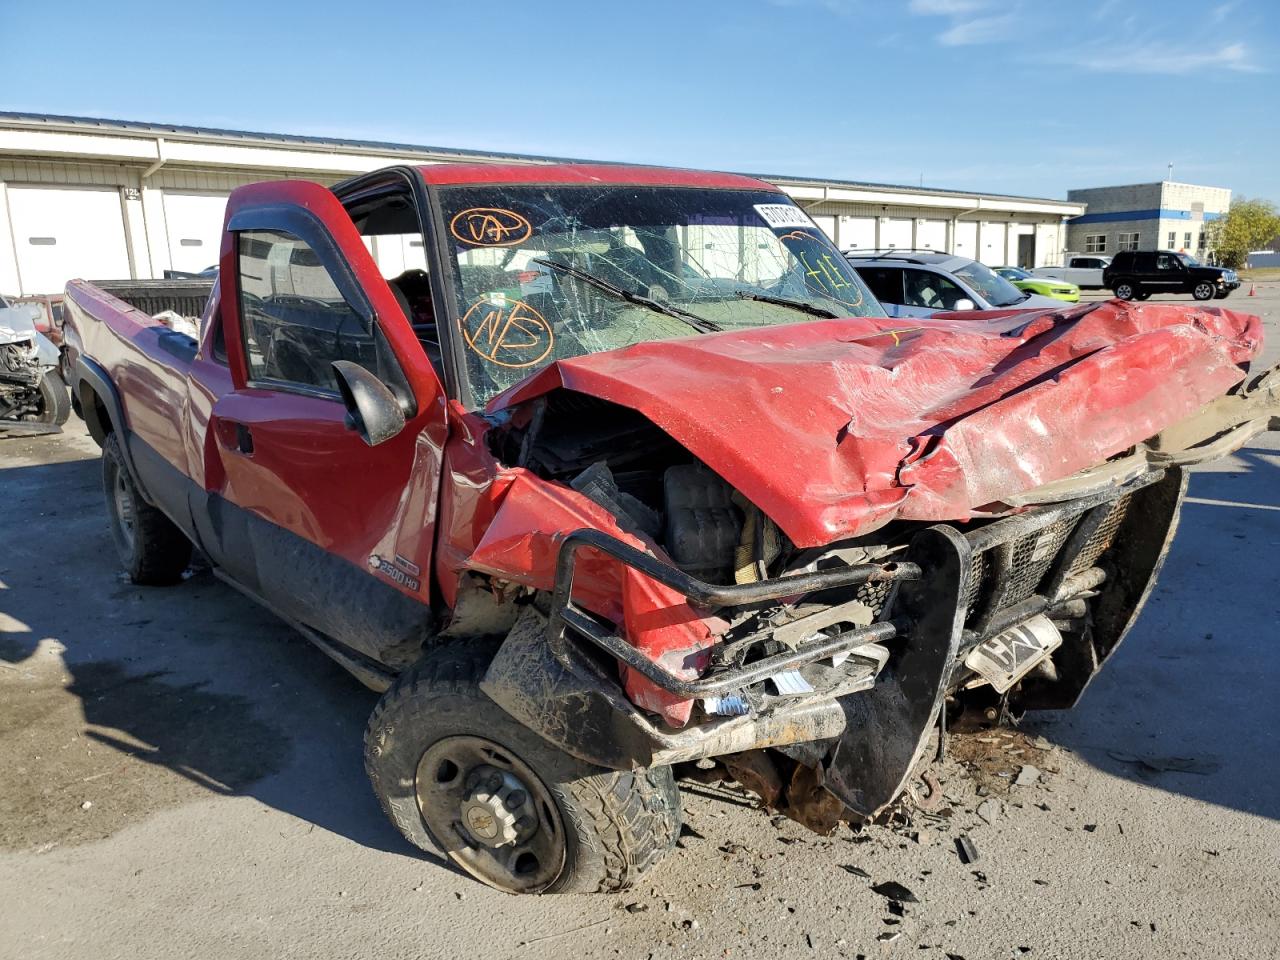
[836, 427]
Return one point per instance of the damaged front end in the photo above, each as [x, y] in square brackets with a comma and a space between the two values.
[26, 357]
[845, 669]
[675, 621]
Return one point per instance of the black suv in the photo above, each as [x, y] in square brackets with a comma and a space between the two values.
[1136, 275]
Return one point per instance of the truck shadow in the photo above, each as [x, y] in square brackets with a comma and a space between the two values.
[190, 689]
[1186, 705]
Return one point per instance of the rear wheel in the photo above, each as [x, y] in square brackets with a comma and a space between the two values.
[457, 773]
[55, 399]
[1204, 290]
[1126, 290]
[151, 548]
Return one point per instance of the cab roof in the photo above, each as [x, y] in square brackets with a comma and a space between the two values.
[456, 174]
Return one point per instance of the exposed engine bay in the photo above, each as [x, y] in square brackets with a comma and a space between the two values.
[26, 358]
[658, 491]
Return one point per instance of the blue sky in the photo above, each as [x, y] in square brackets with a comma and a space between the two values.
[1016, 96]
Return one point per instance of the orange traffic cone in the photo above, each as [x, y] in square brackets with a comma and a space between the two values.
[1252, 290]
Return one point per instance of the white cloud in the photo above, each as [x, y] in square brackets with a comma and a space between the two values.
[965, 29]
[1159, 59]
[945, 8]
[1220, 13]
[965, 33]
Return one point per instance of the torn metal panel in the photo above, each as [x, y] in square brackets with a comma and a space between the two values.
[866, 422]
[522, 544]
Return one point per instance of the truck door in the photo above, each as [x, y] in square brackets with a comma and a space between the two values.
[328, 529]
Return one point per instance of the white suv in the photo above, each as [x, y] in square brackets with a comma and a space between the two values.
[919, 283]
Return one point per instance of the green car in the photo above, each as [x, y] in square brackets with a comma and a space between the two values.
[1058, 289]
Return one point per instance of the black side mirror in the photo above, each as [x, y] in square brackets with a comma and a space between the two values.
[372, 409]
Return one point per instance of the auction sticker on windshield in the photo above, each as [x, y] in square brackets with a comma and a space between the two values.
[783, 216]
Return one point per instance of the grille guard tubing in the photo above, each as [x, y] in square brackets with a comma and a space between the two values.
[565, 615]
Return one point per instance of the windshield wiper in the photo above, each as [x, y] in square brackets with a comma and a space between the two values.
[808, 308]
[698, 323]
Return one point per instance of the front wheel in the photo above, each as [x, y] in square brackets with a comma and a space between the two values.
[1203, 290]
[455, 772]
[1125, 290]
[55, 399]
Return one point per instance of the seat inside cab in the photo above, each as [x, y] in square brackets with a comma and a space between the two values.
[388, 222]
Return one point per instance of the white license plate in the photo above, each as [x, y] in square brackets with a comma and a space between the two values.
[1007, 657]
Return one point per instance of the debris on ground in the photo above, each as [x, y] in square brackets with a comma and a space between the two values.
[967, 850]
[994, 760]
[856, 871]
[892, 890]
[932, 800]
[1028, 776]
[990, 810]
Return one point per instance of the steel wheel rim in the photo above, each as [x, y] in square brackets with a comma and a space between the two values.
[1204, 291]
[123, 514]
[1124, 291]
[465, 788]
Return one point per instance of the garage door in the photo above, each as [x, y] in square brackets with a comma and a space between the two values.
[895, 233]
[966, 239]
[827, 225]
[61, 233]
[993, 240]
[857, 233]
[194, 224]
[931, 234]
[396, 253]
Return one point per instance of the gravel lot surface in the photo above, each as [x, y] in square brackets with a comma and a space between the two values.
[182, 777]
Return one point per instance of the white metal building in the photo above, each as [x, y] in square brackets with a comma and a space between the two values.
[105, 199]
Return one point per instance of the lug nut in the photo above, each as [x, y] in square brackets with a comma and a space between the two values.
[515, 799]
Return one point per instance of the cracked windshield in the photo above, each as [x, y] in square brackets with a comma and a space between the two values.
[545, 273]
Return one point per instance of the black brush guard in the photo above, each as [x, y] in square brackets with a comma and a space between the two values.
[953, 591]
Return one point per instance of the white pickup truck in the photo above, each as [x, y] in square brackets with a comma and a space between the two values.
[1084, 270]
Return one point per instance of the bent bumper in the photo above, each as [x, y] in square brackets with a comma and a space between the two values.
[559, 674]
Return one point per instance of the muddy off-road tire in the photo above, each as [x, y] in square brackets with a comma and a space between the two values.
[454, 772]
[152, 550]
[55, 399]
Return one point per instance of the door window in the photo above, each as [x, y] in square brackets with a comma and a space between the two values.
[295, 320]
[885, 283]
[1167, 263]
[931, 290]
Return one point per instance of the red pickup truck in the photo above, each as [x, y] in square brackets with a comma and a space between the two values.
[598, 471]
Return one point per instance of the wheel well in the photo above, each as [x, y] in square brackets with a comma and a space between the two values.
[95, 414]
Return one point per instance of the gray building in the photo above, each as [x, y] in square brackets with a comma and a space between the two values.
[1145, 216]
[104, 199]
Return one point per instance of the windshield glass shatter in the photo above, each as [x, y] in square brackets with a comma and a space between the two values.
[545, 273]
